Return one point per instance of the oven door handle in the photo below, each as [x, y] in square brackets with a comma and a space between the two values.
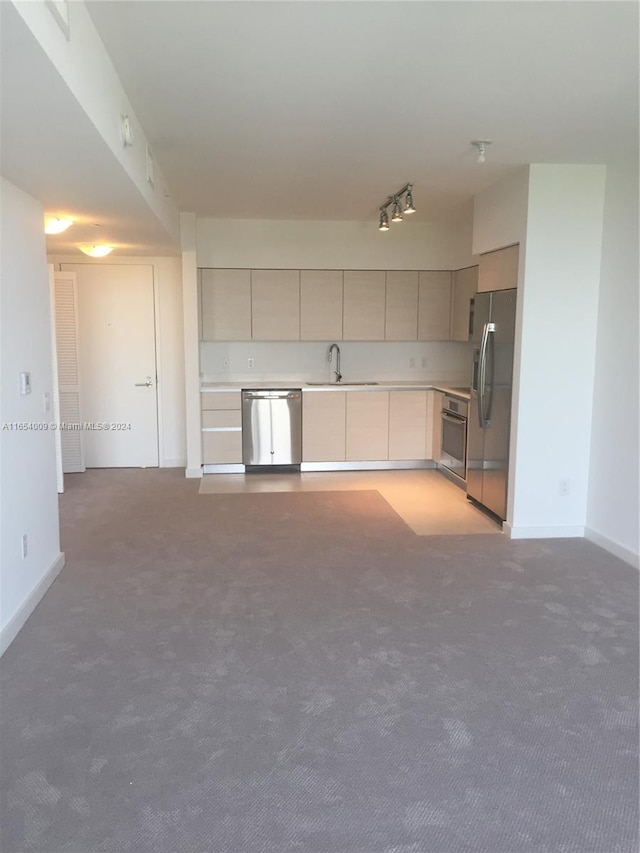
[456, 419]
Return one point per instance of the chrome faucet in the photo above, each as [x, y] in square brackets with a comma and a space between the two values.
[330, 359]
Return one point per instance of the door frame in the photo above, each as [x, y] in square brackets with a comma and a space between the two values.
[58, 260]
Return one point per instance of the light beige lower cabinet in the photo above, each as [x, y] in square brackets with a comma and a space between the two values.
[407, 424]
[323, 426]
[435, 422]
[434, 305]
[367, 426]
[221, 428]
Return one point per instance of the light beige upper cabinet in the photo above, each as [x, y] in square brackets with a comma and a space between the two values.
[323, 426]
[275, 305]
[364, 298]
[434, 305]
[407, 424]
[401, 323]
[498, 270]
[226, 305]
[367, 426]
[321, 305]
[464, 285]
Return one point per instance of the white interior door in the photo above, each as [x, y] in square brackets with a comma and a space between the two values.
[118, 360]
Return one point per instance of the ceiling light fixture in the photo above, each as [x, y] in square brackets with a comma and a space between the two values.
[95, 251]
[481, 145]
[56, 224]
[398, 208]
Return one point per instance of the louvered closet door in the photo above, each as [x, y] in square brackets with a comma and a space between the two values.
[66, 326]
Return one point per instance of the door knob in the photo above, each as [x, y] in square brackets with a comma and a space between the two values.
[147, 384]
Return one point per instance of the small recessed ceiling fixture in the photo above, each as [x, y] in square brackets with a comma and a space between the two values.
[481, 145]
[399, 207]
[95, 251]
[56, 224]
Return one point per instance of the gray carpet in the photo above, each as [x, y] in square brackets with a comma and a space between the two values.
[275, 673]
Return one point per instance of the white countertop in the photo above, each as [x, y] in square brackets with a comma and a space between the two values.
[448, 386]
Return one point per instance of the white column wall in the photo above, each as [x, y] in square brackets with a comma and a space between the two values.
[28, 487]
[613, 511]
[191, 343]
[559, 305]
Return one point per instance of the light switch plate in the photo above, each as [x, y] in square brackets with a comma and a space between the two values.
[25, 383]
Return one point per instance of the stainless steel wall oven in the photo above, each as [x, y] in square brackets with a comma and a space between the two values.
[453, 455]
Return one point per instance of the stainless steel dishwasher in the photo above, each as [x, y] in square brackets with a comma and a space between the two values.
[272, 428]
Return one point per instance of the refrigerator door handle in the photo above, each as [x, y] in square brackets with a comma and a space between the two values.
[490, 354]
[483, 410]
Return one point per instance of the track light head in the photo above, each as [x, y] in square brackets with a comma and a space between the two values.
[384, 221]
[396, 216]
[408, 207]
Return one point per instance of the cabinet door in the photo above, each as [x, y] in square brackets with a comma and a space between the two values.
[401, 323]
[364, 295]
[275, 305]
[434, 305]
[407, 424]
[222, 448]
[463, 288]
[434, 436]
[498, 270]
[321, 305]
[323, 426]
[367, 425]
[226, 305]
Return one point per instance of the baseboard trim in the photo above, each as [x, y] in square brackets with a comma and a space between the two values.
[612, 547]
[13, 626]
[174, 463]
[560, 532]
[193, 473]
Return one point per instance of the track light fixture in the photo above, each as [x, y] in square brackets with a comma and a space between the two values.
[481, 145]
[399, 207]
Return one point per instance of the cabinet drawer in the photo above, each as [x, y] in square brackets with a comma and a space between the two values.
[221, 447]
[221, 400]
[222, 418]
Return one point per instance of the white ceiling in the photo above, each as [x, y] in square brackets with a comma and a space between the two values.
[319, 110]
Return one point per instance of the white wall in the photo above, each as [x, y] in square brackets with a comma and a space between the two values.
[281, 244]
[500, 214]
[28, 466]
[167, 277]
[559, 304]
[613, 510]
[86, 68]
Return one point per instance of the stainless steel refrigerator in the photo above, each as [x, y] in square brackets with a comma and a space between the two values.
[494, 320]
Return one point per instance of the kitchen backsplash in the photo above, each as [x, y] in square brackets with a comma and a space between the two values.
[446, 360]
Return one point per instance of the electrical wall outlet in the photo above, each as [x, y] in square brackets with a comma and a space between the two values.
[46, 402]
[23, 546]
[564, 487]
[225, 362]
[250, 362]
[412, 362]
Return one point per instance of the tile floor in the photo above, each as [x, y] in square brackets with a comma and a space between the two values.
[429, 503]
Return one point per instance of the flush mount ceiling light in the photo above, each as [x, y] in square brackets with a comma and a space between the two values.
[400, 207]
[95, 251]
[56, 224]
[481, 145]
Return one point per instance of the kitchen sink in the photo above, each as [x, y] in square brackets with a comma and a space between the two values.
[339, 384]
